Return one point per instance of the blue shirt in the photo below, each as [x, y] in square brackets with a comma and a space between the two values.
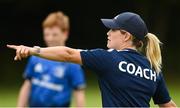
[126, 78]
[52, 82]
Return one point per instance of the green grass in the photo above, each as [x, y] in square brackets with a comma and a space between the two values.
[8, 96]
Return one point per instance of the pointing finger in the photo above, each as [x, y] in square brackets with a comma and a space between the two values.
[12, 46]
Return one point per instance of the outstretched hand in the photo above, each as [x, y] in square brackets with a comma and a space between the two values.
[21, 51]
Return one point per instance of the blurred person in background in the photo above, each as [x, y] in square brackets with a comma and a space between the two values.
[50, 83]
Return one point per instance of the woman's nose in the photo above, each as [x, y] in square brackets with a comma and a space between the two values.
[108, 33]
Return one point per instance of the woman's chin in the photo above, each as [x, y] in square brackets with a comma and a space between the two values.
[108, 46]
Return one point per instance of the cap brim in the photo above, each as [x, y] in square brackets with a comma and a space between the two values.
[110, 23]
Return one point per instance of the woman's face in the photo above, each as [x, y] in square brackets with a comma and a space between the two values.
[53, 36]
[115, 39]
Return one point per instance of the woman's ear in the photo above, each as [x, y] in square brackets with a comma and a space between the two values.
[127, 36]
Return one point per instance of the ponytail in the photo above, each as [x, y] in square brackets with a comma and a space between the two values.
[153, 51]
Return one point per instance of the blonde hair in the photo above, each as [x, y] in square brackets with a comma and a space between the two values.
[151, 47]
[58, 19]
[153, 51]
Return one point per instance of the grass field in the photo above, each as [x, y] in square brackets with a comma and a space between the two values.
[8, 96]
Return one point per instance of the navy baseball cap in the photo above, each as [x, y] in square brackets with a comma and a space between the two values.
[128, 21]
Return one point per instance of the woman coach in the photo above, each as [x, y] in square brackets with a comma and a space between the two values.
[126, 77]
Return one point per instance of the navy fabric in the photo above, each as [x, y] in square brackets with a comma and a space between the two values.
[125, 78]
[128, 21]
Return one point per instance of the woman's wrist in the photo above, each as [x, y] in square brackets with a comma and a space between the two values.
[35, 50]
